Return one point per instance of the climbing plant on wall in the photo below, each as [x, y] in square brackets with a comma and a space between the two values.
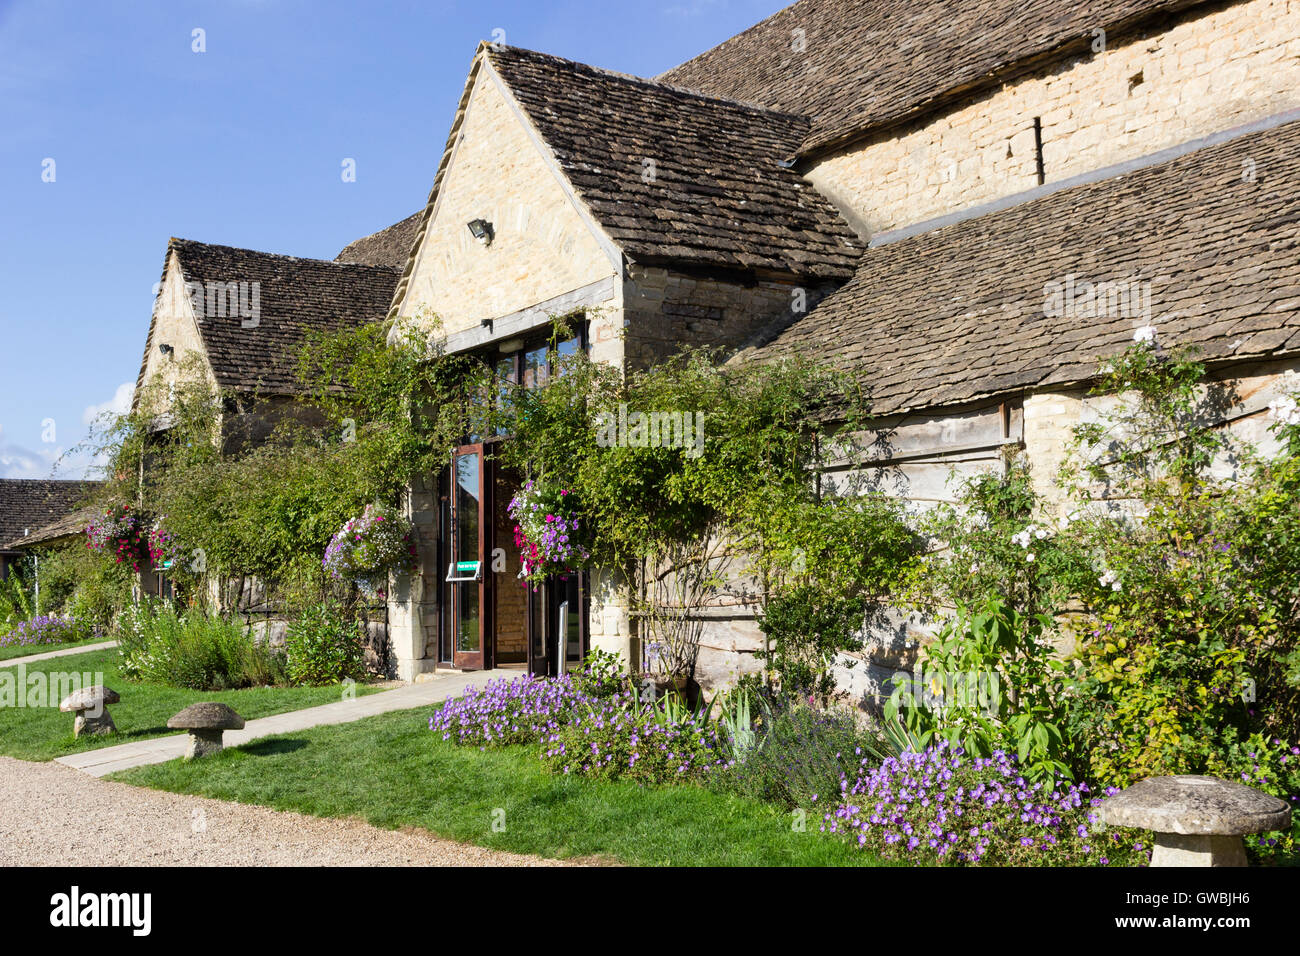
[373, 412]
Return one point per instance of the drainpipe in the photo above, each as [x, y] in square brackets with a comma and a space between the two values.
[37, 574]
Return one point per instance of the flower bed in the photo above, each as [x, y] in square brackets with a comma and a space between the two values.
[366, 548]
[635, 744]
[45, 629]
[942, 806]
[524, 710]
[583, 733]
[547, 531]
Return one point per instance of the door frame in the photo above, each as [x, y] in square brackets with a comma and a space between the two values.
[482, 658]
[540, 617]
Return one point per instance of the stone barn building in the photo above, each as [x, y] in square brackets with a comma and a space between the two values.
[921, 192]
[958, 160]
[237, 319]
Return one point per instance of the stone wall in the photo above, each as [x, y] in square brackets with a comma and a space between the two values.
[910, 464]
[1244, 390]
[664, 310]
[174, 324]
[918, 458]
[609, 627]
[543, 245]
[1210, 69]
[267, 619]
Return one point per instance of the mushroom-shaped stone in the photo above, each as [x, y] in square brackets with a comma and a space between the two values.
[205, 722]
[90, 704]
[1198, 821]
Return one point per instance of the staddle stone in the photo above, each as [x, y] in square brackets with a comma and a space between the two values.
[206, 722]
[90, 704]
[1198, 821]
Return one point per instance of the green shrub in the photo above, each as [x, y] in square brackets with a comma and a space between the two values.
[807, 629]
[195, 650]
[601, 675]
[989, 682]
[16, 602]
[81, 583]
[1188, 646]
[802, 755]
[324, 647]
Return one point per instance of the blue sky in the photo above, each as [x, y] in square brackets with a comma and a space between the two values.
[241, 144]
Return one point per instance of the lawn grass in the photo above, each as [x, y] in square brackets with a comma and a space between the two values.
[29, 650]
[393, 772]
[43, 733]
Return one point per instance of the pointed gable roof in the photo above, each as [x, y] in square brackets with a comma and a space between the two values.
[722, 195]
[388, 247]
[295, 297]
[961, 313]
[852, 65]
[676, 177]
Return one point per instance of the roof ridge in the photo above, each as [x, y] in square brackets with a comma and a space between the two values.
[652, 82]
[52, 481]
[177, 240]
[371, 235]
[731, 39]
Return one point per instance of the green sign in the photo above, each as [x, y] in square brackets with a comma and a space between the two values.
[468, 567]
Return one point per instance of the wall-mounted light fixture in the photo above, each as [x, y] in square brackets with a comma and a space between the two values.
[481, 230]
[166, 349]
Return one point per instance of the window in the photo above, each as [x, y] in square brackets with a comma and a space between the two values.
[535, 365]
[532, 362]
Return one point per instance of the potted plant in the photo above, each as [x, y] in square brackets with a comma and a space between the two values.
[548, 530]
[367, 547]
[120, 532]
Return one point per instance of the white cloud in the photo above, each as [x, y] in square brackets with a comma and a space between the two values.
[19, 462]
[119, 404]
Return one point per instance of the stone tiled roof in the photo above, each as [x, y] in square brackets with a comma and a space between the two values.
[388, 247]
[295, 297]
[72, 524]
[717, 195]
[960, 313]
[30, 504]
[867, 63]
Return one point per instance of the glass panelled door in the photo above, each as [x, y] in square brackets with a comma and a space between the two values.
[466, 572]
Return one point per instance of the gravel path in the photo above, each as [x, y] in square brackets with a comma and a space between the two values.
[48, 811]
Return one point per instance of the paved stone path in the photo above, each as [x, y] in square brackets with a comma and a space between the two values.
[51, 815]
[83, 649]
[97, 763]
